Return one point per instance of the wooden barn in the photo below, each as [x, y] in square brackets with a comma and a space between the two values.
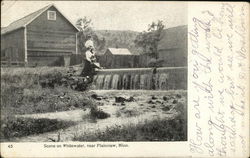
[118, 58]
[43, 38]
[173, 46]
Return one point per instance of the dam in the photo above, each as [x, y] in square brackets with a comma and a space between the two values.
[164, 78]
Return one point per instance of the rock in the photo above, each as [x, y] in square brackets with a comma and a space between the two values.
[123, 108]
[151, 102]
[175, 101]
[158, 101]
[178, 95]
[119, 99]
[153, 97]
[131, 99]
[114, 104]
[99, 113]
[123, 104]
[96, 97]
[166, 98]
[166, 108]
[153, 106]
[100, 104]
[122, 99]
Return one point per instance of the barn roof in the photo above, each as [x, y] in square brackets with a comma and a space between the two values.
[21, 23]
[172, 38]
[119, 51]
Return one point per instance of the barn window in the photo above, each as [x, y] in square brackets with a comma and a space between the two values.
[51, 15]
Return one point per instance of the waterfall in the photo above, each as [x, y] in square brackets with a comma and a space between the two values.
[142, 78]
[163, 81]
[115, 81]
[99, 82]
[107, 82]
[137, 81]
[143, 81]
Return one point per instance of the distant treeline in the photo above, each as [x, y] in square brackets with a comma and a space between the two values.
[118, 39]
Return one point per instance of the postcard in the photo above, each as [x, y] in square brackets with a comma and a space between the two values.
[124, 79]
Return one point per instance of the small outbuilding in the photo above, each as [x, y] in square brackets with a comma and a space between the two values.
[118, 58]
[43, 38]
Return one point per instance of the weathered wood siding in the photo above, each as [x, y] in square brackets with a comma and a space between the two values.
[49, 35]
[46, 61]
[144, 60]
[13, 46]
[174, 57]
[109, 60]
[173, 47]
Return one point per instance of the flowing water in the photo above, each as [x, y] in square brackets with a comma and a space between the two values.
[165, 78]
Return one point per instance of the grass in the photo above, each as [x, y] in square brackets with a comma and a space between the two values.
[97, 113]
[155, 130]
[41, 100]
[19, 127]
[36, 90]
[41, 90]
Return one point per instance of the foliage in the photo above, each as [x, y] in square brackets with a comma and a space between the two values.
[34, 90]
[155, 62]
[85, 27]
[156, 130]
[119, 39]
[97, 113]
[148, 40]
[18, 127]
[104, 39]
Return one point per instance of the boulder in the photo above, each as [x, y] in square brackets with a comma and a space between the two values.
[178, 96]
[154, 97]
[130, 99]
[96, 97]
[151, 102]
[158, 101]
[166, 108]
[166, 98]
[120, 99]
[175, 101]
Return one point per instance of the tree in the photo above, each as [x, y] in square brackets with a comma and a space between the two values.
[85, 26]
[148, 40]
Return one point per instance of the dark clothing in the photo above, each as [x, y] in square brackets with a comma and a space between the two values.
[88, 69]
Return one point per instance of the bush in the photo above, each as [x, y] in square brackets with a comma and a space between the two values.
[96, 113]
[38, 90]
[41, 100]
[18, 127]
[156, 130]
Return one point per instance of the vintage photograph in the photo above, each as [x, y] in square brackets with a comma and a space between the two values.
[93, 71]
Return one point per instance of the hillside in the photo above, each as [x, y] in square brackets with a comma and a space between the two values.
[120, 39]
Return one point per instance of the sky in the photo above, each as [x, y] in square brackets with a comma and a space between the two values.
[105, 15]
